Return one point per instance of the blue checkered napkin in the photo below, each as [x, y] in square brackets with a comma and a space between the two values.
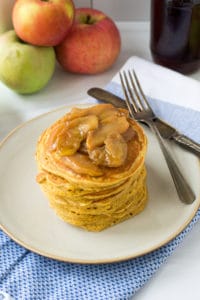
[28, 276]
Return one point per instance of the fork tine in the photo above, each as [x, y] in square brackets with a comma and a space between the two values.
[125, 91]
[130, 92]
[137, 95]
[131, 108]
[134, 99]
[140, 90]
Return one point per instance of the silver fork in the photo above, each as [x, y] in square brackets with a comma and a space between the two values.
[140, 109]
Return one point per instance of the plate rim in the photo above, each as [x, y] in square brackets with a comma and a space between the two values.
[101, 261]
[87, 261]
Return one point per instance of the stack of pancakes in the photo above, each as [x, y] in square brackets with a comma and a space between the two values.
[91, 166]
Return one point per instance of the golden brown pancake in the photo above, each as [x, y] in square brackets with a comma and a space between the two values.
[91, 166]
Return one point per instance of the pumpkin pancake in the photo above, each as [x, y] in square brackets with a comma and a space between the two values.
[91, 166]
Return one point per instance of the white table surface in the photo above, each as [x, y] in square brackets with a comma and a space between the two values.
[179, 277]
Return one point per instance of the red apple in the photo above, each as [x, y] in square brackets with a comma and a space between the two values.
[92, 44]
[42, 22]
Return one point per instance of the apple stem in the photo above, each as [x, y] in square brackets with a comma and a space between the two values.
[89, 20]
[91, 3]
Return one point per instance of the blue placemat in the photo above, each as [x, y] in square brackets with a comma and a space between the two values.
[28, 276]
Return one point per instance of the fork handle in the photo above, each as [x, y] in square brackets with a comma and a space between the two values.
[184, 191]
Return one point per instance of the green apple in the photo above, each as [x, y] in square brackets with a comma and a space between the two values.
[23, 67]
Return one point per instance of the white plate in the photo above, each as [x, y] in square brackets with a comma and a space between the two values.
[27, 218]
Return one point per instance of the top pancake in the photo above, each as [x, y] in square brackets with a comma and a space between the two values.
[93, 147]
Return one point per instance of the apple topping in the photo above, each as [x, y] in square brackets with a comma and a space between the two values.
[93, 137]
[97, 137]
[116, 149]
[112, 154]
[84, 124]
[129, 134]
[82, 164]
[69, 141]
[96, 110]
[83, 148]
[110, 115]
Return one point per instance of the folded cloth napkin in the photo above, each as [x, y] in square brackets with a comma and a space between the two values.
[25, 275]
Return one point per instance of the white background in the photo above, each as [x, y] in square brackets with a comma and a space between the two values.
[179, 278]
[121, 10]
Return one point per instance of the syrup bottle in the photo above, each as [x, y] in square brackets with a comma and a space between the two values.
[175, 34]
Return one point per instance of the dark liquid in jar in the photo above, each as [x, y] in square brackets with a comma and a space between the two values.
[175, 34]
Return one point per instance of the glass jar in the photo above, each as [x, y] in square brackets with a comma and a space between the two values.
[175, 34]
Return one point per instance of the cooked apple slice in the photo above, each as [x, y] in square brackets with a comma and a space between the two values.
[112, 154]
[96, 138]
[81, 164]
[116, 149]
[84, 124]
[129, 134]
[93, 110]
[69, 141]
[109, 114]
